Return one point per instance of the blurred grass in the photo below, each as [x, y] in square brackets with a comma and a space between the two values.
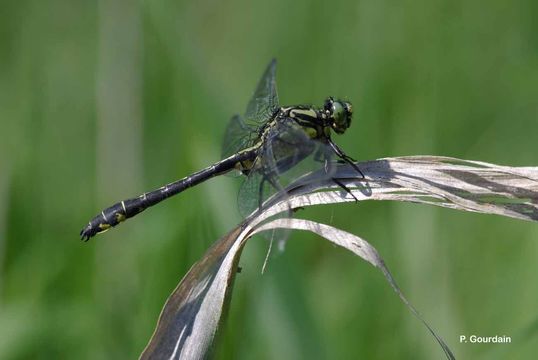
[103, 100]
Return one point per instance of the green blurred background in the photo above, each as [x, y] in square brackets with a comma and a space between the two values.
[100, 101]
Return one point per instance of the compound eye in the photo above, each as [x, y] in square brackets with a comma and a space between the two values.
[341, 116]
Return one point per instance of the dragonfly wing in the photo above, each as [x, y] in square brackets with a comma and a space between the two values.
[238, 136]
[286, 145]
[243, 132]
[290, 153]
[265, 99]
[286, 154]
[262, 182]
[254, 190]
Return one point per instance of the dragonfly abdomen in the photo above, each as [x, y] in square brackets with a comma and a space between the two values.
[126, 209]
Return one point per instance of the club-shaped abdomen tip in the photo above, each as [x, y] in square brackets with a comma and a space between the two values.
[87, 233]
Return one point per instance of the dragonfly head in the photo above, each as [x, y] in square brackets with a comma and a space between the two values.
[339, 114]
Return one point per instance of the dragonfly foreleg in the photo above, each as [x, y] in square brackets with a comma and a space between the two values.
[348, 159]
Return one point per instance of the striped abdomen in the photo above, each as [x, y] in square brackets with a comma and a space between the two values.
[126, 209]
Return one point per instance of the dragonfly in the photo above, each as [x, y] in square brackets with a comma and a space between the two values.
[264, 144]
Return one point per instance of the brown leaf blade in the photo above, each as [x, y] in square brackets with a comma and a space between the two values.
[441, 181]
[191, 315]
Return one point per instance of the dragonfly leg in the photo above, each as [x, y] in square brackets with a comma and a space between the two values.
[260, 194]
[274, 182]
[348, 159]
[344, 187]
[272, 179]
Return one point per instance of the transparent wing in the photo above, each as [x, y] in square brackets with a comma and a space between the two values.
[243, 132]
[238, 136]
[287, 154]
[254, 190]
[258, 187]
[286, 146]
[265, 99]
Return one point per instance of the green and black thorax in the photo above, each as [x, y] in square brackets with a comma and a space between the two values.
[317, 123]
[293, 132]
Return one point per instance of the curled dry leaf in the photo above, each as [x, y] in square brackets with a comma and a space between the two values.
[441, 181]
[191, 315]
